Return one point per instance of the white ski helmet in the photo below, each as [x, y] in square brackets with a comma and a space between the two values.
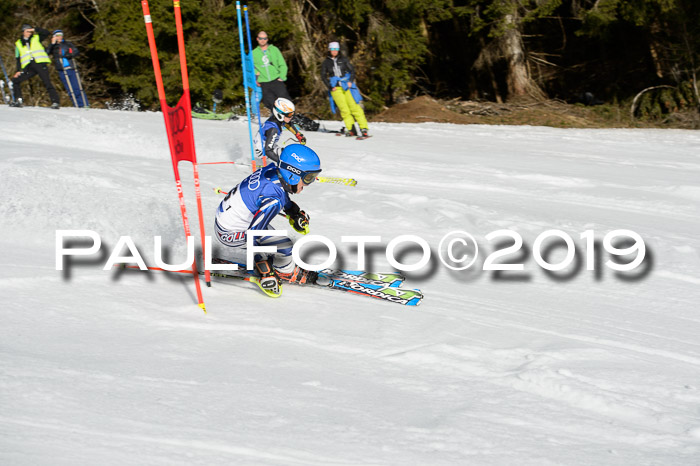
[283, 108]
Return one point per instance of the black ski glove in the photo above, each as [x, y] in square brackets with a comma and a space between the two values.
[298, 219]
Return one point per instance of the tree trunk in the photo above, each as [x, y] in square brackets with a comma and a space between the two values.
[307, 55]
[655, 47]
[508, 47]
[518, 78]
[489, 54]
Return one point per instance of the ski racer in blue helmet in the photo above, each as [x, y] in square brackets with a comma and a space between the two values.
[267, 140]
[255, 202]
[298, 167]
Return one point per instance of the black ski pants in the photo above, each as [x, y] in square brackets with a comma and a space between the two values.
[273, 90]
[28, 72]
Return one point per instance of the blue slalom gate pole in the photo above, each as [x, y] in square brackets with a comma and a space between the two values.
[245, 86]
[250, 50]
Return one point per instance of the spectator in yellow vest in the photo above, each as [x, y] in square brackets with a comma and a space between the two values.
[32, 60]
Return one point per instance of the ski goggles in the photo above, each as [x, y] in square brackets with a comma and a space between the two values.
[306, 177]
[309, 177]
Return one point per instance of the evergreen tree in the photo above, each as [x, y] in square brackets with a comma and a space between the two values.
[495, 49]
[211, 44]
[670, 29]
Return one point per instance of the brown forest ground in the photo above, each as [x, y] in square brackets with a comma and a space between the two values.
[545, 113]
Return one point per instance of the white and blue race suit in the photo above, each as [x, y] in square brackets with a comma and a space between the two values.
[267, 140]
[252, 205]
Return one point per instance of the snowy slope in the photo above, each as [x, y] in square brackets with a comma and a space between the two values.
[585, 367]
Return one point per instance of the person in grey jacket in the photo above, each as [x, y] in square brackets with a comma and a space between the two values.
[63, 54]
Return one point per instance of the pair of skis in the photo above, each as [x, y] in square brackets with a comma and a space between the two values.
[384, 286]
[320, 179]
[342, 132]
[73, 92]
[337, 180]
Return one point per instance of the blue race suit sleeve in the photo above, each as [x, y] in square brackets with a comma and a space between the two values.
[269, 208]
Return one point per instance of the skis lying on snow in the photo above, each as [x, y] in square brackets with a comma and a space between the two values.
[209, 115]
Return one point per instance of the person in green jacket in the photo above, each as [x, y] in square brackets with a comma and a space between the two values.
[32, 60]
[270, 71]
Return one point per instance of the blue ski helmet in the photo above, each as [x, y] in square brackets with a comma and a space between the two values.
[299, 163]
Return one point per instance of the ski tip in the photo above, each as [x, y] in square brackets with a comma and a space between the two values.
[269, 293]
[203, 307]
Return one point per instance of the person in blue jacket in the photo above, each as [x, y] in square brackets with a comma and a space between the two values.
[256, 201]
[63, 54]
[339, 77]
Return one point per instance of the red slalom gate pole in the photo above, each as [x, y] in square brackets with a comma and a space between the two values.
[169, 115]
[188, 110]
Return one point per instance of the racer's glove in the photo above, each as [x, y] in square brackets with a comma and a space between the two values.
[298, 219]
[300, 222]
[301, 138]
